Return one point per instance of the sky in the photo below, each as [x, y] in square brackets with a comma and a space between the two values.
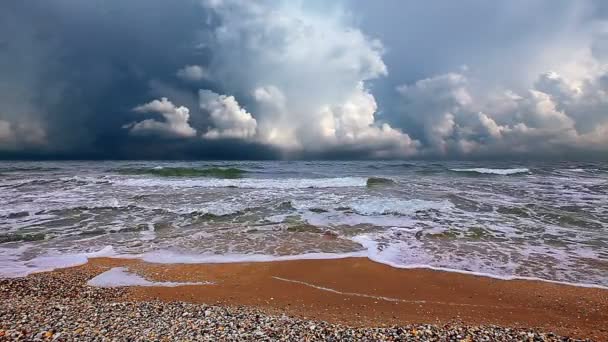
[285, 79]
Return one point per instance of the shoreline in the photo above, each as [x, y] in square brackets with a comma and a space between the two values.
[252, 259]
[359, 292]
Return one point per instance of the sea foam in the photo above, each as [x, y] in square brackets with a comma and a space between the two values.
[503, 172]
[121, 277]
[247, 183]
[385, 206]
[16, 268]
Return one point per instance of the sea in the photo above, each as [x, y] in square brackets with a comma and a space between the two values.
[540, 220]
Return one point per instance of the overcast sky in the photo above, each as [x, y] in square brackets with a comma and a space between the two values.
[256, 79]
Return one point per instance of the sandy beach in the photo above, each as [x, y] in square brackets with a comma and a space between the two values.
[352, 292]
[279, 170]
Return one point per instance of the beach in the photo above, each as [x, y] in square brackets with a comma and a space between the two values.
[275, 170]
[303, 250]
[341, 296]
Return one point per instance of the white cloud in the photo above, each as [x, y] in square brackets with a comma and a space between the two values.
[192, 73]
[304, 74]
[555, 114]
[21, 134]
[227, 116]
[434, 105]
[6, 133]
[175, 122]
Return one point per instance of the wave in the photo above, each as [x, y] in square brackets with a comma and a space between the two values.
[582, 170]
[213, 211]
[74, 180]
[378, 181]
[370, 250]
[382, 255]
[502, 172]
[4, 238]
[28, 182]
[248, 183]
[214, 172]
[169, 257]
[393, 206]
[28, 169]
[383, 166]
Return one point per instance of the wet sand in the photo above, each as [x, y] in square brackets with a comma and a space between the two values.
[359, 292]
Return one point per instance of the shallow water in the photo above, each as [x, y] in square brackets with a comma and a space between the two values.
[540, 220]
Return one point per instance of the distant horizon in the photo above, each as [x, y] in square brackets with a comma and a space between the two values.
[520, 160]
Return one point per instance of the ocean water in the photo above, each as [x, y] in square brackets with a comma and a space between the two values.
[507, 220]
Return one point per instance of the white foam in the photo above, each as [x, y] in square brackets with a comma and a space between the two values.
[341, 219]
[247, 183]
[327, 202]
[383, 206]
[121, 277]
[170, 257]
[387, 256]
[503, 172]
[10, 267]
[17, 268]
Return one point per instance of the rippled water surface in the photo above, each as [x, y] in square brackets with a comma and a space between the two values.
[544, 220]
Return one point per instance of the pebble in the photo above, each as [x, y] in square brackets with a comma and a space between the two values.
[58, 307]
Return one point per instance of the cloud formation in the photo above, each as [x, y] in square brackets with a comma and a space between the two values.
[303, 79]
[14, 136]
[304, 75]
[192, 73]
[175, 123]
[228, 118]
[555, 116]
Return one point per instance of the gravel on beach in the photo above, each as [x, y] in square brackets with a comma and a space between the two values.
[61, 307]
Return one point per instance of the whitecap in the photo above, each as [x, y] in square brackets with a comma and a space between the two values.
[247, 183]
[503, 172]
[384, 206]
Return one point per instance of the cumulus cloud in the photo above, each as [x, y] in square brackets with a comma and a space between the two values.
[16, 135]
[227, 116]
[192, 73]
[175, 122]
[304, 73]
[6, 133]
[307, 79]
[553, 116]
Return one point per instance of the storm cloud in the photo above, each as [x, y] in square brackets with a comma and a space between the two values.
[261, 79]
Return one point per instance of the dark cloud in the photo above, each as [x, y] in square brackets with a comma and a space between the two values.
[350, 79]
[80, 67]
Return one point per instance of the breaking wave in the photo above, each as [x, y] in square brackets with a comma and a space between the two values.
[28, 169]
[393, 206]
[249, 183]
[214, 172]
[378, 181]
[485, 171]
